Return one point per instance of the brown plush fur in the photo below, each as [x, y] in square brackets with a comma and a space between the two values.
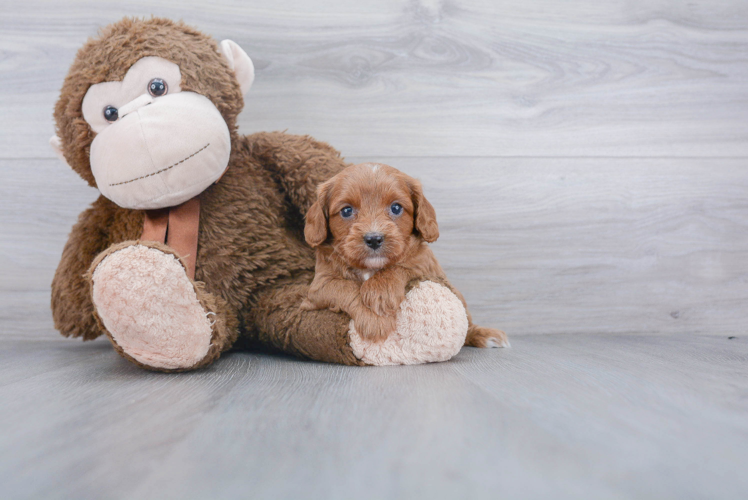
[369, 282]
[253, 267]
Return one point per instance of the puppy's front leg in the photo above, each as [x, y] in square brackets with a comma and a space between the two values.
[385, 290]
[344, 295]
[372, 326]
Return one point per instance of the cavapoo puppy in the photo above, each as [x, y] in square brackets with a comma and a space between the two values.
[370, 226]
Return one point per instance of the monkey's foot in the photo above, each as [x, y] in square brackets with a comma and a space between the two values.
[431, 326]
[151, 309]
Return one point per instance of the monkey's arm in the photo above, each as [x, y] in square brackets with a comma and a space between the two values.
[72, 309]
[298, 163]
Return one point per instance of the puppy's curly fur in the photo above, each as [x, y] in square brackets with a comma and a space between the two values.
[370, 225]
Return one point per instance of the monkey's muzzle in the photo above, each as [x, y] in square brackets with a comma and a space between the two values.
[163, 152]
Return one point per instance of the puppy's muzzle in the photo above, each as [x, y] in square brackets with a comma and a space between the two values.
[374, 240]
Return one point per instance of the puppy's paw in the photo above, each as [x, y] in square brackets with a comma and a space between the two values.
[374, 328]
[480, 336]
[308, 305]
[382, 300]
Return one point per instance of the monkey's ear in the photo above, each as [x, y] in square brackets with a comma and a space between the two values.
[240, 62]
[56, 144]
[315, 230]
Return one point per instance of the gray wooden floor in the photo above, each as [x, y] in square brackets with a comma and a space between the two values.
[588, 162]
[556, 416]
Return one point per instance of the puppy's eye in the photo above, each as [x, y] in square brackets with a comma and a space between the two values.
[346, 212]
[396, 208]
[157, 87]
[111, 114]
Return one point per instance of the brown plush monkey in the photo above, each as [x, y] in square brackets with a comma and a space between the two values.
[147, 114]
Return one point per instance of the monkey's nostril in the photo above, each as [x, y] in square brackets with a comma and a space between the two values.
[374, 240]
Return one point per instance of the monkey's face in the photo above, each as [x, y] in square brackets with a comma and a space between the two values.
[156, 145]
[148, 111]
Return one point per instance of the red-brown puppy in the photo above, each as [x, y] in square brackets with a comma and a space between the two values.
[370, 225]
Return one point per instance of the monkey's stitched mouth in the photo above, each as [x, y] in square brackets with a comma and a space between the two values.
[163, 169]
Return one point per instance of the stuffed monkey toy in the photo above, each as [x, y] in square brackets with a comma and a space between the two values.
[196, 242]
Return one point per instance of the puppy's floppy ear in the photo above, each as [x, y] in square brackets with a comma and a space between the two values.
[315, 230]
[424, 213]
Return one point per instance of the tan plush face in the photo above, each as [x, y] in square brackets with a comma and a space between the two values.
[156, 145]
[371, 211]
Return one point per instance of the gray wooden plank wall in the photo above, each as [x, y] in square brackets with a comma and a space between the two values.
[587, 159]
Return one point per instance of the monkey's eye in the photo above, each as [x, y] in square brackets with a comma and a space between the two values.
[346, 212]
[396, 208]
[111, 114]
[157, 87]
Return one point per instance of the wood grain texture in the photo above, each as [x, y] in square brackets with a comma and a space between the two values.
[562, 416]
[429, 77]
[536, 245]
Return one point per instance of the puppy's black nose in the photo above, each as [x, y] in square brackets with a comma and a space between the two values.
[374, 240]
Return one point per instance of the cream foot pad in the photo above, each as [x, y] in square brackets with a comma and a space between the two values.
[150, 308]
